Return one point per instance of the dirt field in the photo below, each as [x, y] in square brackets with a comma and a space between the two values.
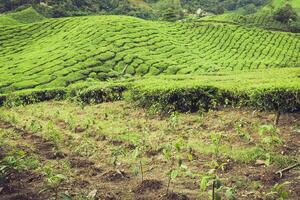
[60, 150]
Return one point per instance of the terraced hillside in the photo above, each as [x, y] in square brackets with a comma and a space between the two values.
[58, 52]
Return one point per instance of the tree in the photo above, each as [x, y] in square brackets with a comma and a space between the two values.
[169, 10]
[220, 9]
[250, 8]
[169, 15]
[285, 14]
[230, 4]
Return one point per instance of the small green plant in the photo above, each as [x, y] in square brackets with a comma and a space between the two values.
[174, 119]
[238, 126]
[35, 126]
[54, 180]
[138, 166]
[216, 142]
[115, 154]
[16, 162]
[269, 136]
[172, 154]
[216, 187]
[208, 180]
[52, 134]
[86, 147]
[279, 191]
[71, 121]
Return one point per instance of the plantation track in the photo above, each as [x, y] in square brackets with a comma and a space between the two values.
[58, 52]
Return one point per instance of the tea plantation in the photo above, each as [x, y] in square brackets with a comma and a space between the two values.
[118, 107]
[56, 53]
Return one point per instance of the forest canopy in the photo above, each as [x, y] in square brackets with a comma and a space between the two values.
[141, 8]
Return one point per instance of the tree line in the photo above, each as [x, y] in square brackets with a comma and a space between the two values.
[149, 9]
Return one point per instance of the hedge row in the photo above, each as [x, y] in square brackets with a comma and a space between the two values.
[96, 94]
[85, 95]
[168, 99]
[205, 98]
[32, 96]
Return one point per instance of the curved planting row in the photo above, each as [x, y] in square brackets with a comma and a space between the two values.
[59, 52]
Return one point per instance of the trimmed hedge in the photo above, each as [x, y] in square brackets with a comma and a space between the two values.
[181, 93]
[210, 97]
[32, 96]
[184, 100]
[96, 94]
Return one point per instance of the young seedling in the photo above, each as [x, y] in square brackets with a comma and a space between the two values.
[279, 191]
[53, 135]
[71, 121]
[86, 147]
[16, 162]
[174, 119]
[216, 142]
[238, 126]
[269, 136]
[214, 181]
[139, 152]
[172, 155]
[139, 161]
[35, 126]
[115, 154]
[54, 180]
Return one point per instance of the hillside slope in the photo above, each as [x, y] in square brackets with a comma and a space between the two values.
[279, 3]
[263, 19]
[57, 52]
[28, 15]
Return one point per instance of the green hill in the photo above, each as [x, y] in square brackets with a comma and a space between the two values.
[241, 64]
[28, 15]
[57, 52]
[262, 19]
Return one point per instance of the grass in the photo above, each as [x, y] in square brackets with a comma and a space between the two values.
[91, 135]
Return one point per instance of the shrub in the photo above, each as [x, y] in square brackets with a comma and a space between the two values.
[285, 14]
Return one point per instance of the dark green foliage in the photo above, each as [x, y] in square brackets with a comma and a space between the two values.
[2, 99]
[184, 100]
[205, 98]
[63, 8]
[97, 94]
[32, 96]
[168, 9]
[281, 99]
[286, 14]
[181, 96]
[250, 8]
[295, 26]
[219, 9]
